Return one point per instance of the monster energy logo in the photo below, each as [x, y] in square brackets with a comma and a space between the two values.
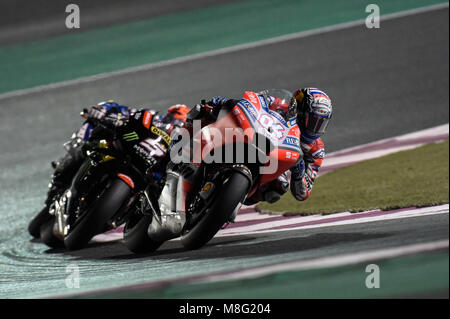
[130, 136]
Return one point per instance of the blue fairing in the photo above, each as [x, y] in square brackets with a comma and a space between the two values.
[120, 108]
[87, 134]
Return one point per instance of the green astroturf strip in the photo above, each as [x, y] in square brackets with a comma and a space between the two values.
[417, 177]
[109, 49]
[405, 276]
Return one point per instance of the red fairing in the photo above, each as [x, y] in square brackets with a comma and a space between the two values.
[127, 179]
[147, 119]
[251, 116]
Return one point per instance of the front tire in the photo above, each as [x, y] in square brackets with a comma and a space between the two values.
[47, 236]
[34, 227]
[94, 220]
[230, 195]
[135, 235]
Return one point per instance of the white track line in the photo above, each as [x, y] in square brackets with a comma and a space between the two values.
[226, 50]
[286, 224]
[383, 147]
[333, 261]
[359, 218]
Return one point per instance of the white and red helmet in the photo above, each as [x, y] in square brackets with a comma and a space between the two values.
[314, 111]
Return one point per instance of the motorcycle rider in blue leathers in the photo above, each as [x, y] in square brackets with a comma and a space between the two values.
[67, 166]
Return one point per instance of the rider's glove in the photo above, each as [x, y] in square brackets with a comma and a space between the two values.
[115, 119]
[199, 111]
[298, 170]
[194, 114]
[97, 112]
[303, 177]
[217, 100]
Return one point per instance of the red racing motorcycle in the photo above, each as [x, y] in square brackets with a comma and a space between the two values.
[248, 146]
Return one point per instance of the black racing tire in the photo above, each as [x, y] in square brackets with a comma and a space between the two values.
[34, 227]
[135, 235]
[230, 195]
[95, 219]
[47, 236]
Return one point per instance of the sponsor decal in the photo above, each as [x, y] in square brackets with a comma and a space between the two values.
[243, 103]
[144, 154]
[132, 136]
[146, 120]
[291, 140]
[253, 98]
[153, 146]
[161, 133]
[278, 116]
[262, 99]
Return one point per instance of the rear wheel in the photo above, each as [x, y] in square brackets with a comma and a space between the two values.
[229, 196]
[135, 235]
[94, 220]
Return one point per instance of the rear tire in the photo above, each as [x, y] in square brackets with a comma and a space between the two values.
[98, 214]
[135, 235]
[230, 195]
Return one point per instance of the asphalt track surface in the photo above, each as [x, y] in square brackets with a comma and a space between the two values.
[384, 82]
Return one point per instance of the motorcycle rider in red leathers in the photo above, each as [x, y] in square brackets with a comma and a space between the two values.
[313, 110]
[110, 111]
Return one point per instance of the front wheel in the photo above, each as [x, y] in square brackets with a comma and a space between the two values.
[47, 234]
[93, 222]
[135, 235]
[230, 195]
[35, 225]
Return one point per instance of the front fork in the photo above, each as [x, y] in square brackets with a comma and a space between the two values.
[62, 207]
[58, 210]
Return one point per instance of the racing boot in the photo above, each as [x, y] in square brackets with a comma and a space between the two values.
[270, 192]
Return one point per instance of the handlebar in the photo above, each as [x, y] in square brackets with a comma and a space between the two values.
[108, 121]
